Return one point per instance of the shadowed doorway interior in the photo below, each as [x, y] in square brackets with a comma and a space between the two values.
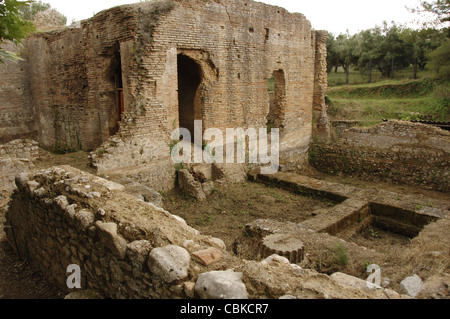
[189, 79]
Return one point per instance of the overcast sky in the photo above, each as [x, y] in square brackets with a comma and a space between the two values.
[335, 16]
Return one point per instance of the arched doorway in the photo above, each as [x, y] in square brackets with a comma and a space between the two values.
[189, 79]
[277, 96]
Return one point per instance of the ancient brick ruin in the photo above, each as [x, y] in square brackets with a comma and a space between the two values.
[132, 74]
[118, 84]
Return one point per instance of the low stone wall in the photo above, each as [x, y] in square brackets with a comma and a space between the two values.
[127, 248]
[15, 157]
[23, 149]
[402, 152]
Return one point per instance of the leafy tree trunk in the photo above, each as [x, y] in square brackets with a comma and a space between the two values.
[370, 71]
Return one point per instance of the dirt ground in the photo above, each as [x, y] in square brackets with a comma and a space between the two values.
[228, 209]
[224, 215]
[18, 280]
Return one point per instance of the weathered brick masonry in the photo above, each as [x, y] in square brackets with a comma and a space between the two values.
[148, 50]
[16, 111]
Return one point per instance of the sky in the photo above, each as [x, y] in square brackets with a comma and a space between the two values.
[336, 16]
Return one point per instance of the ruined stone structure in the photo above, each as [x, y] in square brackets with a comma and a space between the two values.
[132, 74]
[127, 248]
[398, 151]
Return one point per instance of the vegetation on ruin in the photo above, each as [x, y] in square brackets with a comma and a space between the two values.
[29, 12]
[20, 18]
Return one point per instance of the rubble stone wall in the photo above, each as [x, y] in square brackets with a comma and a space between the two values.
[402, 152]
[15, 157]
[127, 248]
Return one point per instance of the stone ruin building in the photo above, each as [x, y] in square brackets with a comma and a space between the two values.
[129, 76]
[118, 84]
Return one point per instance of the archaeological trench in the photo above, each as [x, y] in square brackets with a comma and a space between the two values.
[115, 86]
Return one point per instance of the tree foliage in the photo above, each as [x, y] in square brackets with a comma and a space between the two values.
[441, 8]
[387, 48]
[29, 12]
[440, 60]
[13, 26]
[35, 13]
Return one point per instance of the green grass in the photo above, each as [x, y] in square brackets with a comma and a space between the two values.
[341, 254]
[369, 104]
[355, 77]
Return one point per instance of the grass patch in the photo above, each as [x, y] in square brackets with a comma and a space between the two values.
[397, 100]
[340, 254]
[358, 78]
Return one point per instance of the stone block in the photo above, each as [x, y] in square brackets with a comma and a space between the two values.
[138, 252]
[411, 286]
[221, 285]
[204, 170]
[85, 294]
[84, 219]
[170, 263]
[189, 185]
[107, 233]
[436, 287]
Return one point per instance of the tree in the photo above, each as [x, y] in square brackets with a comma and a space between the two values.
[392, 53]
[332, 54]
[440, 60]
[369, 52]
[346, 51]
[42, 15]
[13, 27]
[421, 43]
[441, 8]
[29, 12]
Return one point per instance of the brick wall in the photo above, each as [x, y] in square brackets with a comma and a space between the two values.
[16, 110]
[72, 80]
[237, 44]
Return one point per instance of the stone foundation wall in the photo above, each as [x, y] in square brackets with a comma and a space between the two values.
[127, 248]
[15, 157]
[402, 152]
